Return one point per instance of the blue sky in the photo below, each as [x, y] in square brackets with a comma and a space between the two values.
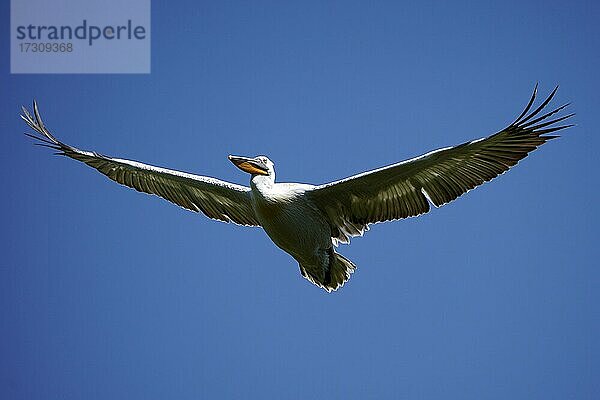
[109, 293]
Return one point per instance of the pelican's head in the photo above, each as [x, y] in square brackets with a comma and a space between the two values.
[259, 165]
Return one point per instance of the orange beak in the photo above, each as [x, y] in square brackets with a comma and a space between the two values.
[249, 165]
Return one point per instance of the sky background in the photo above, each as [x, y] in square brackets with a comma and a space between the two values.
[106, 293]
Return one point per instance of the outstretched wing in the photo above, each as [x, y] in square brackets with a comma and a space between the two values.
[216, 199]
[405, 189]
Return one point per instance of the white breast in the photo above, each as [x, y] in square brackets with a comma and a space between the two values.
[289, 220]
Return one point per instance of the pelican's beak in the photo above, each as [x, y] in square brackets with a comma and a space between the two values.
[250, 165]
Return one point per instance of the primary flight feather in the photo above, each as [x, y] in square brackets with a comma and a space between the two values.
[307, 221]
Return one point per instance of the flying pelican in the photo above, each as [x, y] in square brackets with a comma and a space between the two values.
[307, 221]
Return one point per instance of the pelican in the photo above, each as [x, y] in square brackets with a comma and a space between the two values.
[308, 222]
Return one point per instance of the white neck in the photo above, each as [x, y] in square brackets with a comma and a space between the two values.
[262, 183]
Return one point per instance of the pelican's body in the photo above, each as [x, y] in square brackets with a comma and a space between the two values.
[307, 221]
[281, 209]
[298, 227]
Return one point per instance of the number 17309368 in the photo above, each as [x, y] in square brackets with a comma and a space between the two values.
[46, 47]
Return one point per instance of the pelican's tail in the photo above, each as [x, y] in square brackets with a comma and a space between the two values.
[332, 277]
[339, 272]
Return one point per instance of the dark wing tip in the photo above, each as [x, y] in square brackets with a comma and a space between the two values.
[525, 124]
[42, 135]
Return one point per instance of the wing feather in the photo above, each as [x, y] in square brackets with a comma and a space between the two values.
[407, 188]
[216, 199]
